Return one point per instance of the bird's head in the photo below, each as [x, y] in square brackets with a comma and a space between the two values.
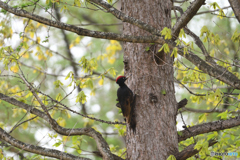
[121, 79]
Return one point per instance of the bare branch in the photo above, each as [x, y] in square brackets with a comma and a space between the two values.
[125, 18]
[81, 31]
[200, 44]
[215, 110]
[186, 17]
[225, 76]
[208, 127]
[38, 99]
[210, 11]
[101, 143]
[70, 56]
[36, 149]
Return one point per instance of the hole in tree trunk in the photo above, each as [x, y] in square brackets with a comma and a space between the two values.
[160, 57]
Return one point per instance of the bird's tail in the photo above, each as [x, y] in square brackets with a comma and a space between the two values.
[132, 119]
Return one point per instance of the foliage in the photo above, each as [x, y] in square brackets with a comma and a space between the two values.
[66, 69]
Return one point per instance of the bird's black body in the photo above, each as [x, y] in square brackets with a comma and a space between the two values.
[127, 101]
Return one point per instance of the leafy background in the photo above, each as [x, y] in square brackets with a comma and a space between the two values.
[42, 54]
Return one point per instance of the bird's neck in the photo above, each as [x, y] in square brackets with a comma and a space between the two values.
[122, 85]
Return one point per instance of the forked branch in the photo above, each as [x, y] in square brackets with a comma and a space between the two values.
[37, 149]
[208, 127]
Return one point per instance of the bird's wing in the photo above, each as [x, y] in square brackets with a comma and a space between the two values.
[126, 106]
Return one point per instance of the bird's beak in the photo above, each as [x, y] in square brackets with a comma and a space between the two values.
[127, 77]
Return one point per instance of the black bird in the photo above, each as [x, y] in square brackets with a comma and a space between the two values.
[127, 101]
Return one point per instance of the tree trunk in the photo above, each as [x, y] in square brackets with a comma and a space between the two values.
[151, 78]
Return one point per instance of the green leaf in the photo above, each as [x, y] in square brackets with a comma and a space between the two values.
[55, 135]
[77, 3]
[182, 34]
[180, 133]
[185, 50]
[57, 83]
[238, 97]
[59, 97]
[171, 157]
[69, 74]
[109, 1]
[164, 47]
[210, 136]
[218, 93]
[89, 83]
[147, 48]
[214, 5]
[202, 118]
[204, 30]
[201, 144]
[79, 151]
[221, 14]
[163, 92]
[79, 83]
[35, 156]
[112, 72]
[223, 115]
[174, 52]
[167, 32]
[81, 97]
[236, 36]
[57, 144]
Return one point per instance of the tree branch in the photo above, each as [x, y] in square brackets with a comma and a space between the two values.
[189, 151]
[208, 127]
[36, 149]
[125, 18]
[197, 40]
[215, 110]
[186, 17]
[81, 31]
[70, 56]
[224, 76]
[101, 143]
[200, 45]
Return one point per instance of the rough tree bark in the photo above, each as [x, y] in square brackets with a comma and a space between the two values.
[150, 78]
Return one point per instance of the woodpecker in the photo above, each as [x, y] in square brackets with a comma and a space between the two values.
[127, 101]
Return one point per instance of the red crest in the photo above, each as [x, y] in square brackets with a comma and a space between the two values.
[119, 78]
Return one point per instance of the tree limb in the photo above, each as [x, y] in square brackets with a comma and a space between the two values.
[189, 151]
[36, 149]
[81, 31]
[215, 110]
[101, 143]
[225, 76]
[125, 18]
[208, 127]
[186, 17]
[70, 56]
[197, 40]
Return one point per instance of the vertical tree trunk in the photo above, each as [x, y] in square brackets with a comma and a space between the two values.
[152, 79]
